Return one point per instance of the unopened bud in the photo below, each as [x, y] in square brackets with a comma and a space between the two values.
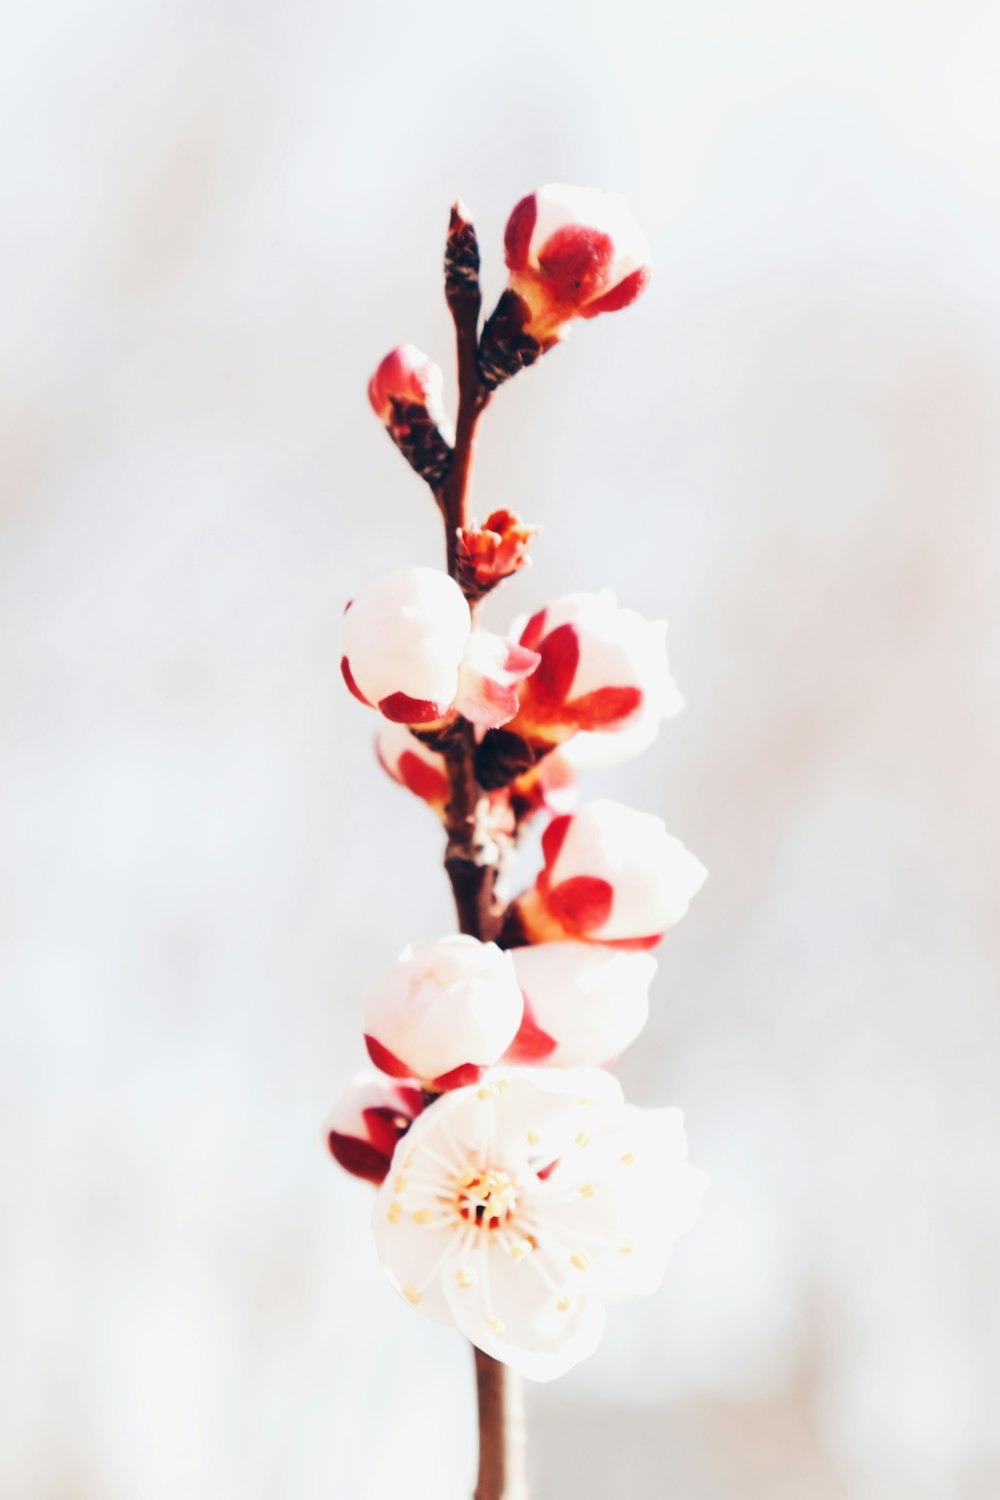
[443, 1012]
[612, 875]
[406, 393]
[368, 1123]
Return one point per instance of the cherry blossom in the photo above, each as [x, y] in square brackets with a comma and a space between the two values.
[602, 668]
[410, 651]
[517, 1208]
[443, 1012]
[573, 252]
[612, 875]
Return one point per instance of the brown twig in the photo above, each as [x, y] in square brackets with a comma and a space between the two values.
[501, 1431]
[474, 857]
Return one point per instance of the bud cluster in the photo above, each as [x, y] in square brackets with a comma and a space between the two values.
[498, 1137]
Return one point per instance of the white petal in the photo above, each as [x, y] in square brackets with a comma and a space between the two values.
[513, 1314]
[591, 999]
[406, 634]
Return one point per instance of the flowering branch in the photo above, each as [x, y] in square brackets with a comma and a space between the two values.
[518, 1193]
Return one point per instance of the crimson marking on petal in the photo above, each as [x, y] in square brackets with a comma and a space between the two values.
[554, 837]
[517, 235]
[402, 709]
[348, 676]
[532, 1044]
[386, 1125]
[358, 1157]
[534, 630]
[422, 779]
[553, 677]
[457, 1078]
[387, 1061]
[582, 903]
[622, 295]
[636, 944]
[576, 261]
[604, 707]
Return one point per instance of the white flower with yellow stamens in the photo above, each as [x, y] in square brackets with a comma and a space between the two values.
[517, 1207]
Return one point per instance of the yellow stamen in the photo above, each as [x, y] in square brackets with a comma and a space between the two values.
[562, 1305]
[422, 1216]
[628, 1159]
[588, 1190]
[627, 1248]
[399, 1186]
[495, 1324]
[412, 1295]
[519, 1249]
[580, 1259]
[583, 1139]
[533, 1137]
[395, 1211]
[467, 1276]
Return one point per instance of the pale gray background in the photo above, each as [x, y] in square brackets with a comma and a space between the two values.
[217, 216]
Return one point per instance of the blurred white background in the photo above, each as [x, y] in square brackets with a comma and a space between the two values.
[217, 217]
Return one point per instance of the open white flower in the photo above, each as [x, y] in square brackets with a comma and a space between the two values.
[518, 1207]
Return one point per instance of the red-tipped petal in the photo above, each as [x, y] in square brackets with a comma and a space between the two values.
[387, 1061]
[532, 1044]
[517, 235]
[554, 837]
[604, 706]
[422, 779]
[386, 1125]
[457, 1078]
[622, 295]
[534, 630]
[348, 677]
[553, 677]
[402, 709]
[358, 1157]
[581, 903]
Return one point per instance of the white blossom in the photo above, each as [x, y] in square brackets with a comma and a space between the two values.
[612, 875]
[516, 1208]
[410, 651]
[443, 1011]
[603, 669]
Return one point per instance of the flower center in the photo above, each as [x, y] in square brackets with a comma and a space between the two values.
[486, 1196]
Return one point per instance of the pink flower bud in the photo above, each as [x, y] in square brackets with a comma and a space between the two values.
[573, 252]
[493, 551]
[406, 393]
[602, 668]
[404, 640]
[612, 875]
[443, 1012]
[368, 1123]
[583, 1003]
[406, 376]
[414, 765]
[411, 652]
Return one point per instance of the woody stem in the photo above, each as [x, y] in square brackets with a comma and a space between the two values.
[473, 860]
